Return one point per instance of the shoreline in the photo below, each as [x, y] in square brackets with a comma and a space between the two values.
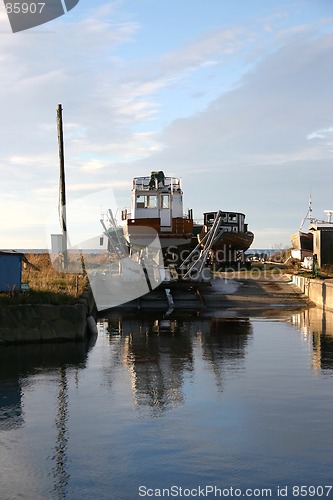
[228, 294]
[39, 323]
[233, 293]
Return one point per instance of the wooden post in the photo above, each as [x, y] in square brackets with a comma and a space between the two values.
[62, 185]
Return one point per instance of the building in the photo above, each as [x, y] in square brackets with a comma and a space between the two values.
[323, 242]
[10, 270]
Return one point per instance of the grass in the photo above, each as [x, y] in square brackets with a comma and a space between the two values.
[46, 284]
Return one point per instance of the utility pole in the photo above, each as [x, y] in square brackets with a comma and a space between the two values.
[62, 186]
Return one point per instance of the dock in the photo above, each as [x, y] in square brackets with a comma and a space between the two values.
[226, 293]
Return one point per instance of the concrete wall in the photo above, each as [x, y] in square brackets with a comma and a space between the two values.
[320, 292]
[46, 322]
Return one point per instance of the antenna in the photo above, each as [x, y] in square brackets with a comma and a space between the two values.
[308, 213]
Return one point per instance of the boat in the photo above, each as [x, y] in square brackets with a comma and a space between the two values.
[301, 241]
[234, 238]
[157, 210]
[317, 242]
[302, 244]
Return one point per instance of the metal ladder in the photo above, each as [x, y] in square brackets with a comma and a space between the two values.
[123, 250]
[118, 244]
[205, 246]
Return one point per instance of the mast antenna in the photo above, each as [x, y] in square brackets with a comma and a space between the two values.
[308, 215]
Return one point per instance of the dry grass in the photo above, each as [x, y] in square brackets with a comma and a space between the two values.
[46, 283]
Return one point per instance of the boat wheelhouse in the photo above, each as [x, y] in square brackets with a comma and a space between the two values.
[157, 207]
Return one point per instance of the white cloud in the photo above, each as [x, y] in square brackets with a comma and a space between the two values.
[114, 105]
[251, 145]
[324, 133]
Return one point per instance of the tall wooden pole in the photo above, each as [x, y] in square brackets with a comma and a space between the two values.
[62, 185]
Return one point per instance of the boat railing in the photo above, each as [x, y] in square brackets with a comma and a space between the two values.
[172, 184]
[125, 215]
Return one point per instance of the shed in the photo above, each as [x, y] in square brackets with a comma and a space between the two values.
[10, 270]
[323, 242]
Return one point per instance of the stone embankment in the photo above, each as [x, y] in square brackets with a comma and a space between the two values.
[320, 292]
[46, 322]
[228, 294]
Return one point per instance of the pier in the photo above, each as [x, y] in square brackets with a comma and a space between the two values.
[320, 292]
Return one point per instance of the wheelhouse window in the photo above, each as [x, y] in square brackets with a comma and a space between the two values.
[165, 201]
[210, 217]
[146, 201]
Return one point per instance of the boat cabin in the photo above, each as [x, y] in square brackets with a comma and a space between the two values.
[231, 222]
[157, 201]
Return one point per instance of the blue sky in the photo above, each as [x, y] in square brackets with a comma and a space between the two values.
[234, 97]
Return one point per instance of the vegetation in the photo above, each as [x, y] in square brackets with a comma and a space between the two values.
[46, 284]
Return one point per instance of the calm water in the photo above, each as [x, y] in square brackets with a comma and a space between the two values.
[157, 403]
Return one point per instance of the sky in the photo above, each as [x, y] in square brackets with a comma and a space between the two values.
[236, 98]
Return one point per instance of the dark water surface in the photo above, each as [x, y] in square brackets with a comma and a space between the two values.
[188, 403]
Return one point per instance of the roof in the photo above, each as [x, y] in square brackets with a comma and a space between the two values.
[325, 226]
[10, 252]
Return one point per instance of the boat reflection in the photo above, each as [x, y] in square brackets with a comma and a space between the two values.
[316, 325]
[225, 346]
[159, 352]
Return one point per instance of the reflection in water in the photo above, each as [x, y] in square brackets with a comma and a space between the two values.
[10, 404]
[61, 477]
[157, 365]
[20, 367]
[225, 346]
[316, 326]
[224, 391]
[22, 361]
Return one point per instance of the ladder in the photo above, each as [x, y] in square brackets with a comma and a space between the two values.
[117, 242]
[204, 248]
[127, 261]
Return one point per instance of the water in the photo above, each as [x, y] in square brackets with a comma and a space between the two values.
[188, 402]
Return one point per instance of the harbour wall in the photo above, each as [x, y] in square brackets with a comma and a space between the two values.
[46, 322]
[319, 292]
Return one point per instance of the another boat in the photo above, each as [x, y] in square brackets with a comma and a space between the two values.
[301, 241]
[234, 239]
[318, 241]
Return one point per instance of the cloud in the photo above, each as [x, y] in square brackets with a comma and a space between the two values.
[323, 139]
[251, 145]
[268, 118]
[260, 103]
[205, 50]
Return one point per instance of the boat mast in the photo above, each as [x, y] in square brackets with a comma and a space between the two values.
[308, 213]
[62, 185]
